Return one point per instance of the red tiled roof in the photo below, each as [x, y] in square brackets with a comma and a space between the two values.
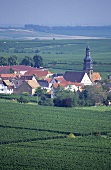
[19, 68]
[55, 85]
[48, 79]
[60, 79]
[7, 75]
[38, 73]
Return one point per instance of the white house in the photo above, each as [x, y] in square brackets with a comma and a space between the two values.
[5, 90]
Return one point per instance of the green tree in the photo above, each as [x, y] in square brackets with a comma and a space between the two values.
[66, 98]
[12, 60]
[11, 70]
[3, 61]
[92, 95]
[22, 100]
[38, 61]
[40, 93]
[27, 61]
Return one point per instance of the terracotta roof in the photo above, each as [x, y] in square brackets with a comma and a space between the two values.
[59, 79]
[32, 83]
[48, 79]
[8, 75]
[73, 76]
[55, 85]
[95, 76]
[38, 73]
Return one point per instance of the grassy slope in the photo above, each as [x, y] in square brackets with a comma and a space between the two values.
[30, 132]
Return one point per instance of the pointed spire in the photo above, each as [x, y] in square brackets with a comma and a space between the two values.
[88, 62]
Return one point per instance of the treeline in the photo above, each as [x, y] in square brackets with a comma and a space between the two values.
[90, 96]
[72, 30]
[50, 29]
[36, 61]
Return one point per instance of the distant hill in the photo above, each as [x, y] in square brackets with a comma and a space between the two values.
[29, 32]
[92, 31]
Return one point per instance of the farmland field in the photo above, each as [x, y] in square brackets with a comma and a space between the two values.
[62, 55]
[34, 137]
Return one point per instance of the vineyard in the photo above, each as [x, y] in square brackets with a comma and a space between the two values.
[34, 137]
[62, 55]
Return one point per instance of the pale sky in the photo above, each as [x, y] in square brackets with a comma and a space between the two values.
[55, 12]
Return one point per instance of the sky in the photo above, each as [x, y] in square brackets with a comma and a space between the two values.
[55, 12]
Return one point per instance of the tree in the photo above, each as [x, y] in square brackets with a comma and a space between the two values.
[38, 61]
[22, 100]
[3, 61]
[12, 60]
[27, 61]
[11, 70]
[40, 93]
[92, 95]
[65, 98]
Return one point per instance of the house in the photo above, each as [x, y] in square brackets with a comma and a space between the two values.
[6, 87]
[45, 84]
[57, 79]
[28, 86]
[17, 82]
[79, 77]
[18, 69]
[40, 74]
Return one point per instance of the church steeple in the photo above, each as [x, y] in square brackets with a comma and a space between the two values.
[88, 65]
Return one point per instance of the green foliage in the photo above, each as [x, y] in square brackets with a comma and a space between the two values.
[46, 101]
[92, 95]
[38, 61]
[65, 98]
[25, 93]
[3, 61]
[12, 60]
[27, 61]
[11, 70]
[16, 97]
[22, 100]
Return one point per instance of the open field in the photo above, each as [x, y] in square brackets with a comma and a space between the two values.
[62, 55]
[34, 137]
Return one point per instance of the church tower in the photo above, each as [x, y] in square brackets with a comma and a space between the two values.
[88, 65]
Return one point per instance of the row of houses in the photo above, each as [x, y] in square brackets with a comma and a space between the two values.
[28, 79]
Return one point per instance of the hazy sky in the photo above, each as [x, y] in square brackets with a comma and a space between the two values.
[55, 12]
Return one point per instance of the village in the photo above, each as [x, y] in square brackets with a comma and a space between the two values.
[26, 79]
